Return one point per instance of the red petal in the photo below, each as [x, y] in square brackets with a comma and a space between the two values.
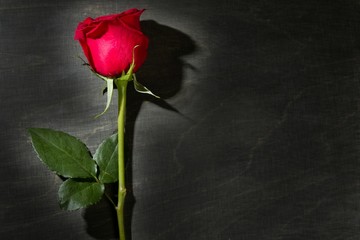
[132, 18]
[98, 30]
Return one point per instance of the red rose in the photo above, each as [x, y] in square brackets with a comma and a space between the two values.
[108, 42]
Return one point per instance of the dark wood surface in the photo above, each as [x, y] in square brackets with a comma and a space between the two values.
[257, 136]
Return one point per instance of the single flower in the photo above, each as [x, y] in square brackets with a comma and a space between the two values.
[110, 43]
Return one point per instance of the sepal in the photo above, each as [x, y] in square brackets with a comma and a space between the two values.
[141, 88]
[129, 74]
[110, 90]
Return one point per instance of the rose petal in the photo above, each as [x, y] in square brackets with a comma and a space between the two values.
[106, 18]
[112, 53]
[79, 33]
[108, 42]
[97, 31]
[133, 19]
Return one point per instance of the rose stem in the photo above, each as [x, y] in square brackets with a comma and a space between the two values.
[121, 86]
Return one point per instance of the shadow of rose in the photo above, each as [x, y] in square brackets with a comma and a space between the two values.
[163, 69]
[162, 73]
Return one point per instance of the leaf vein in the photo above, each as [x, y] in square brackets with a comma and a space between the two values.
[72, 157]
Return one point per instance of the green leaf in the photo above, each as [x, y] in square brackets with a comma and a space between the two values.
[110, 90]
[74, 194]
[106, 157]
[142, 89]
[63, 153]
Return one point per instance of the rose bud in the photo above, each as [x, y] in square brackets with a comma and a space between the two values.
[109, 42]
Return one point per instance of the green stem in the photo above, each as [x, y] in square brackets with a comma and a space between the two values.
[121, 86]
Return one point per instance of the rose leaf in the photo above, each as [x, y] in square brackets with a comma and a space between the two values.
[63, 153]
[106, 157]
[74, 194]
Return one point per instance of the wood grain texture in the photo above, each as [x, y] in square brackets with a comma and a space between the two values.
[256, 136]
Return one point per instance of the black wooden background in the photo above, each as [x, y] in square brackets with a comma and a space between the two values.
[256, 137]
